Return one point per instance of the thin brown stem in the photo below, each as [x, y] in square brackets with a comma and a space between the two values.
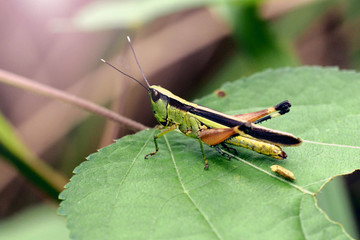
[29, 85]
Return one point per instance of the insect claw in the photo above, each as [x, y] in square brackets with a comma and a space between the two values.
[150, 154]
[206, 166]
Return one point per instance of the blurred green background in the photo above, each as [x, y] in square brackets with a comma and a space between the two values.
[188, 47]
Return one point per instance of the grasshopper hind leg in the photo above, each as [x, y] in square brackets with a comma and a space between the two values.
[230, 149]
[219, 150]
[222, 152]
[278, 110]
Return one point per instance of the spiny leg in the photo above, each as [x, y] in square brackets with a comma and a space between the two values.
[222, 152]
[206, 166]
[167, 130]
[229, 148]
[281, 108]
[215, 136]
[263, 115]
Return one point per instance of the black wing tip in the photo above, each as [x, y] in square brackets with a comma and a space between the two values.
[276, 137]
[292, 141]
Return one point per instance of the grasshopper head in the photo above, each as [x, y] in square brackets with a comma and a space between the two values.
[159, 102]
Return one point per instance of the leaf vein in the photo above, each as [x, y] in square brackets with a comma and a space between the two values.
[124, 178]
[186, 191]
[271, 174]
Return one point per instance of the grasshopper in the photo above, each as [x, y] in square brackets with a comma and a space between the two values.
[213, 127]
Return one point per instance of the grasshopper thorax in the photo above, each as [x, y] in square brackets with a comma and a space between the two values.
[162, 101]
[159, 101]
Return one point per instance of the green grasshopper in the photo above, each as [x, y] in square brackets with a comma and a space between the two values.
[215, 128]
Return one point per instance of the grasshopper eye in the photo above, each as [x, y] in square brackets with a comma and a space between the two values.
[155, 95]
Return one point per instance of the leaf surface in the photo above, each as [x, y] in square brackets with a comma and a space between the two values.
[120, 195]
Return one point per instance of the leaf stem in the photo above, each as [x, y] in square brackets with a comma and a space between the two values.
[28, 164]
[37, 171]
[35, 87]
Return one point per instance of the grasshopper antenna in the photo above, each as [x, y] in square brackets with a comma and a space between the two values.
[137, 61]
[147, 89]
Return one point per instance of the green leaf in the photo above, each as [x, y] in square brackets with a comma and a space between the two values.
[118, 195]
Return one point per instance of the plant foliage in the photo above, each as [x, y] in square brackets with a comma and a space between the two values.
[117, 194]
